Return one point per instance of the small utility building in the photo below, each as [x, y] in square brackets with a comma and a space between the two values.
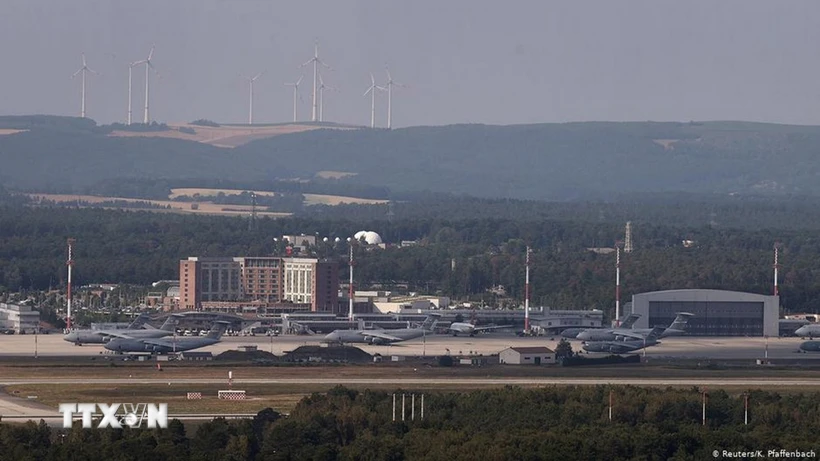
[527, 355]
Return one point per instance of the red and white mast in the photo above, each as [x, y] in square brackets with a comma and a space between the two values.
[350, 293]
[527, 294]
[70, 264]
[617, 285]
[776, 267]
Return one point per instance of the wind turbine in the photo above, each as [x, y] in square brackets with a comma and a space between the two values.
[372, 91]
[250, 108]
[84, 70]
[315, 60]
[148, 67]
[322, 88]
[130, 69]
[295, 94]
[390, 85]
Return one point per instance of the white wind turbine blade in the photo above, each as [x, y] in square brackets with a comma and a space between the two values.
[150, 54]
[300, 79]
[75, 73]
[84, 64]
[369, 90]
[257, 76]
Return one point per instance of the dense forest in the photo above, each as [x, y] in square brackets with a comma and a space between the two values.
[502, 424]
[543, 161]
[461, 258]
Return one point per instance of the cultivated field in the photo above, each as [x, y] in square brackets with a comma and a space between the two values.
[176, 207]
[310, 199]
[228, 136]
[7, 131]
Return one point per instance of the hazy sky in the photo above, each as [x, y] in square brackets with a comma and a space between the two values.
[465, 61]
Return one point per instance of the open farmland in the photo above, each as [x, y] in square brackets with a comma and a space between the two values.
[310, 199]
[223, 136]
[175, 207]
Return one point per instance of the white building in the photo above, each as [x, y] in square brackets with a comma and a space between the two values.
[298, 275]
[538, 355]
[20, 318]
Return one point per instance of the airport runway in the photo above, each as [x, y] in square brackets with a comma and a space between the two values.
[449, 381]
[489, 344]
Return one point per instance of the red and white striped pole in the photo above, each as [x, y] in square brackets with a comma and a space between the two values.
[527, 295]
[617, 285]
[70, 264]
[776, 267]
[350, 293]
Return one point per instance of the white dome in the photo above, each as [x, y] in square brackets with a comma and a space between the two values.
[358, 235]
[372, 238]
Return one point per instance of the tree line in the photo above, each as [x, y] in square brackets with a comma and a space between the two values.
[457, 258]
[499, 424]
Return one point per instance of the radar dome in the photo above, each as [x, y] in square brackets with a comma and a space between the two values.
[372, 238]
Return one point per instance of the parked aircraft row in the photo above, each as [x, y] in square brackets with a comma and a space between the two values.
[137, 329]
[621, 340]
[165, 345]
[382, 336]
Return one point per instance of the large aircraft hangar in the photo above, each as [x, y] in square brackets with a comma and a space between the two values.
[716, 312]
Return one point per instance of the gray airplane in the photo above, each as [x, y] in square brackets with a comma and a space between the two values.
[572, 333]
[625, 345]
[810, 346]
[80, 337]
[382, 336]
[165, 345]
[811, 331]
[676, 328]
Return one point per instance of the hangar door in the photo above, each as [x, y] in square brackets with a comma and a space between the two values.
[711, 318]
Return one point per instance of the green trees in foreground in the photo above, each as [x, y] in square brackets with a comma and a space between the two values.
[499, 424]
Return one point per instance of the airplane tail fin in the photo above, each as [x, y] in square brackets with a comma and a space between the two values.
[218, 329]
[656, 333]
[138, 322]
[430, 322]
[630, 320]
[170, 323]
[678, 326]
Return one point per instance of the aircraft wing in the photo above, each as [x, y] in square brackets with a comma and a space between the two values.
[158, 342]
[494, 327]
[380, 334]
[629, 334]
[113, 334]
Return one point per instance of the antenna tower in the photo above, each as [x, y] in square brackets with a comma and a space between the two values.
[628, 238]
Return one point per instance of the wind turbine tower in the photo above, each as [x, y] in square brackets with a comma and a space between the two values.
[148, 68]
[322, 88]
[130, 72]
[315, 61]
[84, 69]
[295, 95]
[250, 105]
[372, 90]
[390, 85]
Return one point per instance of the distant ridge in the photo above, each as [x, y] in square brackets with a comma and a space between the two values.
[539, 161]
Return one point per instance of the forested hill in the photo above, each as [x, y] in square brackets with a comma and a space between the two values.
[544, 161]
